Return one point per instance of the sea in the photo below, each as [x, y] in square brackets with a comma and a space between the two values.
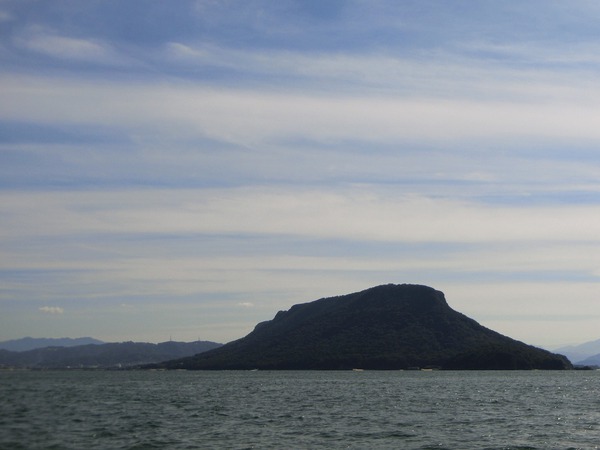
[85, 410]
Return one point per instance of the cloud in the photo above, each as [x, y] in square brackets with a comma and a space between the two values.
[366, 212]
[51, 310]
[253, 119]
[246, 304]
[470, 69]
[55, 45]
[127, 245]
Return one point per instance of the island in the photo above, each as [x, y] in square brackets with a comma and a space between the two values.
[387, 327]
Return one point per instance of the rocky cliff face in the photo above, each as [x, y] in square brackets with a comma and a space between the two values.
[385, 327]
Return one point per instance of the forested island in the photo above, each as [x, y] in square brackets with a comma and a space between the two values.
[387, 327]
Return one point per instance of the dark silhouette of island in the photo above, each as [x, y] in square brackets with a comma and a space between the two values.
[386, 327]
[102, 356]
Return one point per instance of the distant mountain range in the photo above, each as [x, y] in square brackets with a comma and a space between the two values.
[111, 355]
[587, 353]
[29, 343]
[590, 361]
[384, 327]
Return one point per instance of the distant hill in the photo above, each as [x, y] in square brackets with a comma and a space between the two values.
[593, 360]
[385, 327]
[29, 343]
[124, 354]
[579, 353]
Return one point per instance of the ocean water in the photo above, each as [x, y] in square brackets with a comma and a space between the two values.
[299, 410]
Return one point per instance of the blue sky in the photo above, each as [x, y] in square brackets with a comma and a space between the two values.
[186, 169]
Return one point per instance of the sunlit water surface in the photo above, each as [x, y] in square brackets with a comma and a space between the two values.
[277, 410]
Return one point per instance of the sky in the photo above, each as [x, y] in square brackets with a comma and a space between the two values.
[185, 169]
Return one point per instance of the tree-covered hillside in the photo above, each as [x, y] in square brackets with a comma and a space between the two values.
[385, 327]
